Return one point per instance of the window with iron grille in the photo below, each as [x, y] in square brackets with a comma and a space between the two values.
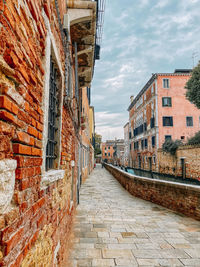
[52, 116]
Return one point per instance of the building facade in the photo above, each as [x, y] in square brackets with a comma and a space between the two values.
[113, 151]
[47, 53]
[159, 112]
[108, 151]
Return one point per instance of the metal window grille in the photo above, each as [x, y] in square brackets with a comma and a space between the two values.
[51, 142]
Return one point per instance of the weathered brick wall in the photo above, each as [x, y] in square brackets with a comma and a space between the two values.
[35, 226]
[169, 164]
[178, 197]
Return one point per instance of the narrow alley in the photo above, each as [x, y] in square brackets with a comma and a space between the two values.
[113, 228]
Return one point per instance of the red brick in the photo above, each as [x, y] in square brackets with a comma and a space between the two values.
[4, 115]
[47, 9]
[25, 184]
[27, 106]
[39, 126]
[14, 109]
[6, 129]
[38, 143]
[23, 138]
[5, 144]
[15, 239]
[32, 131]
[40, 221]
[5, 103]
[21, 149]
[36, 151]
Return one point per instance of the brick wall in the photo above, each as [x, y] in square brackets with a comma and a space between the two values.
[169, 164]
[35, 224]
[178, 197]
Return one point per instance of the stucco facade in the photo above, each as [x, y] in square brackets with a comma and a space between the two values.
[159, 112]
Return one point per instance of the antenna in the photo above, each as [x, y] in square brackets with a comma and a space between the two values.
[194, 55]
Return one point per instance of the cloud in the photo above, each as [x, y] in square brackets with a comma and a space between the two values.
[140, 38]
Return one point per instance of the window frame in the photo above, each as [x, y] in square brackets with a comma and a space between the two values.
[168, 137]
[169, 104]
[189, 117]
[168, 83]
[56, 173]
[171, 120]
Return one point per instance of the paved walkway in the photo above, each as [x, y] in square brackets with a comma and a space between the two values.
[113, 228]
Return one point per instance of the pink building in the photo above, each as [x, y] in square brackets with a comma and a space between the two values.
[160, 111]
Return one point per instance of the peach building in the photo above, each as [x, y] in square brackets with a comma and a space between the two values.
[108, 150]
[160, 111]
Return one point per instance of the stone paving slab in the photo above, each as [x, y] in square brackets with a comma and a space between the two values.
[113, 228]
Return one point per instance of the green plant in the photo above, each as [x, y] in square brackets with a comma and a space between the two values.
[195, 139]
[171, 146]
[193, 87]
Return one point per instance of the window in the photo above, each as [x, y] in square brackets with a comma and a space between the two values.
[189, 121]
[129, 135]
[182, 137]
[166, 102]
[105, 154]
[105, 148]
[146, 143]
[165, 83]
[154, 159]
[51, 154]
[108, 147]
[142, 144]
[152, 89]
[109, 154]
[167, 121]
[152, 123]
[168, 137]
[153, 141]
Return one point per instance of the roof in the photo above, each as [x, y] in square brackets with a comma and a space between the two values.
[126, 124]
[177, 72]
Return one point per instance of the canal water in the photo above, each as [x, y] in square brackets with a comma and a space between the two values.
[160, 176]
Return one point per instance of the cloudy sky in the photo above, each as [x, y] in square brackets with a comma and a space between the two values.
[140, 37]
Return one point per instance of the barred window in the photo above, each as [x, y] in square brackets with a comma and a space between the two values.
[52, 116]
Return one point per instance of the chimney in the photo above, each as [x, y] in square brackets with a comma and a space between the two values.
[131, 98]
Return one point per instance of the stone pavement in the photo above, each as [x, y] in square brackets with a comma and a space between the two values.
[113, 228]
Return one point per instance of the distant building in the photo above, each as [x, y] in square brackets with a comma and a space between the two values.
[113, 151]
[126, 145]
[108, 151]
[160, 111]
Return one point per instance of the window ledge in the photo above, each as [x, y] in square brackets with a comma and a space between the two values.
[52, 176]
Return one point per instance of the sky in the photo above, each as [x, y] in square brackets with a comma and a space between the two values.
[140, 37]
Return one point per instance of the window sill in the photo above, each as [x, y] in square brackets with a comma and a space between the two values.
[52, 176]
